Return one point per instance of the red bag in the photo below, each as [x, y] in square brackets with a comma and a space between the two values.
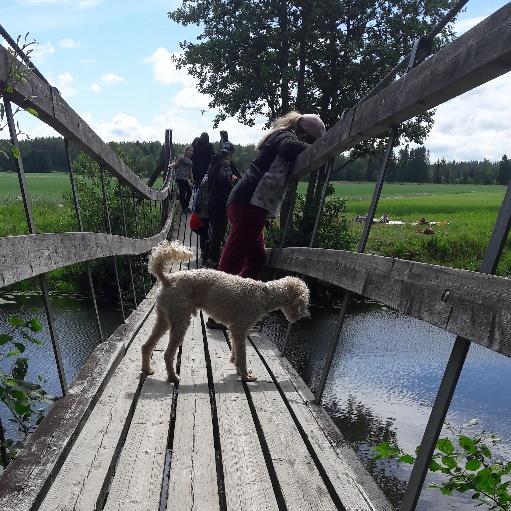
[196, 223]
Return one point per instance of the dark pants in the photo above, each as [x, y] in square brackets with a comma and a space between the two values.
[244, 250]
[218, 226]
[185, 192]
[204, 240]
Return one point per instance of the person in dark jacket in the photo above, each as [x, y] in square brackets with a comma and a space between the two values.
[260, 191]
[220, 182]
[202, 152]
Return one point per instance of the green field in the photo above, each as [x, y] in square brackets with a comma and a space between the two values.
[469, 212]
[49, 186]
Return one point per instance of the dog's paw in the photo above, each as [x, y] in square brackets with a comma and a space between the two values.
[147, 371]
[173, 378]
[248, 376]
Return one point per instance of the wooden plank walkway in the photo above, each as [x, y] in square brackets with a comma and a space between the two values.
[210, 443]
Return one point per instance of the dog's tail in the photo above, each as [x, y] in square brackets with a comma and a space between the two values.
[164, 253]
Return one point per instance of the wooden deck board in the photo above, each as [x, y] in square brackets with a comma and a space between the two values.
[247, 482]
[193, 478]
[353, 484]
[81, 477]
[300, 481]
[137, 482]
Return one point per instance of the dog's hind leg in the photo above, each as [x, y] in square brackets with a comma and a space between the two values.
[176, 336]
[240, 354]
[159, 328]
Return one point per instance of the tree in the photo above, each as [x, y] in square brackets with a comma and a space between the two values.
[263, 57]
[504, 175]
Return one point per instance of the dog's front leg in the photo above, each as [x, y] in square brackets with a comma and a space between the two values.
[240, 350]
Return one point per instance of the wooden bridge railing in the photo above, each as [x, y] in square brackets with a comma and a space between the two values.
[36, 254]
[474, 306]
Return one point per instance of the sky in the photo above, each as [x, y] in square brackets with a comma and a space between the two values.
[111, 61]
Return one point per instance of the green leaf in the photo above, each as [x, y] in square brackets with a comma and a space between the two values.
[473, 465]
[467, 443]
[35, 325]
[16, 321]
[32, 111]
[435, 466]
[449, 462]
[5, 338]
[406, 458]
[15, 152]
[445, 445]
[20, 346]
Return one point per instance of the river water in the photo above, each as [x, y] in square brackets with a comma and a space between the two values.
[384, 379]
[77, 332]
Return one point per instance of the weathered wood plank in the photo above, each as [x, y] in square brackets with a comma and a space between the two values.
[247, 482]
[476, 306]
[26, 480]
[299, 478]
[53, 110]
[137, 482]
[193, 478]
[80, 480]
[353, 484]
[26, 256]
[476, 57]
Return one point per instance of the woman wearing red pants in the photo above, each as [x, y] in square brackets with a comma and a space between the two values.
[259, 193]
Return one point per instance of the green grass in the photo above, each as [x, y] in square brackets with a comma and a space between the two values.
[49, 186]
[468, 210]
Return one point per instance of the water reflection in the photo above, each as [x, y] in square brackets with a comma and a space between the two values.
[77, 332]
[383, 380]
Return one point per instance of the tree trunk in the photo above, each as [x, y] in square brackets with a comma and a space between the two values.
[284, 56]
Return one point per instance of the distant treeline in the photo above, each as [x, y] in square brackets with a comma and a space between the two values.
[414, 166]
[407, 165]
[47, 155]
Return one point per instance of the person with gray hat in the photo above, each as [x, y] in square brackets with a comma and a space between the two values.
[259, 193]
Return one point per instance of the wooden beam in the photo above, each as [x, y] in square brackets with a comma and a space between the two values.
[53, 110]
[476, 57]
[476, 306]
[26, 256]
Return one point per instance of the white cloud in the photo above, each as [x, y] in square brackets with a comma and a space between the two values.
[112, 78]
[165, 71]
[42, 51]
[125, 127]
[64, 84]
[461, 26]
[94, 87]
[69, 43]
[190, 98]
[474, 125]
[186, 126]
[87, 62]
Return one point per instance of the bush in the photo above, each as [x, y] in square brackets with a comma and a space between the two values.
[333, 229]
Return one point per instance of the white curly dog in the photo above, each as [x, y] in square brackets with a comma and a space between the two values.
[234, 301]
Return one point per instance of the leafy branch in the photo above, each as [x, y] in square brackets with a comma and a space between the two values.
[21, 397]
[467, 464]
[17, 74]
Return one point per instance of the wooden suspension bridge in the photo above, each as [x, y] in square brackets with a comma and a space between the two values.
[117, 440]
